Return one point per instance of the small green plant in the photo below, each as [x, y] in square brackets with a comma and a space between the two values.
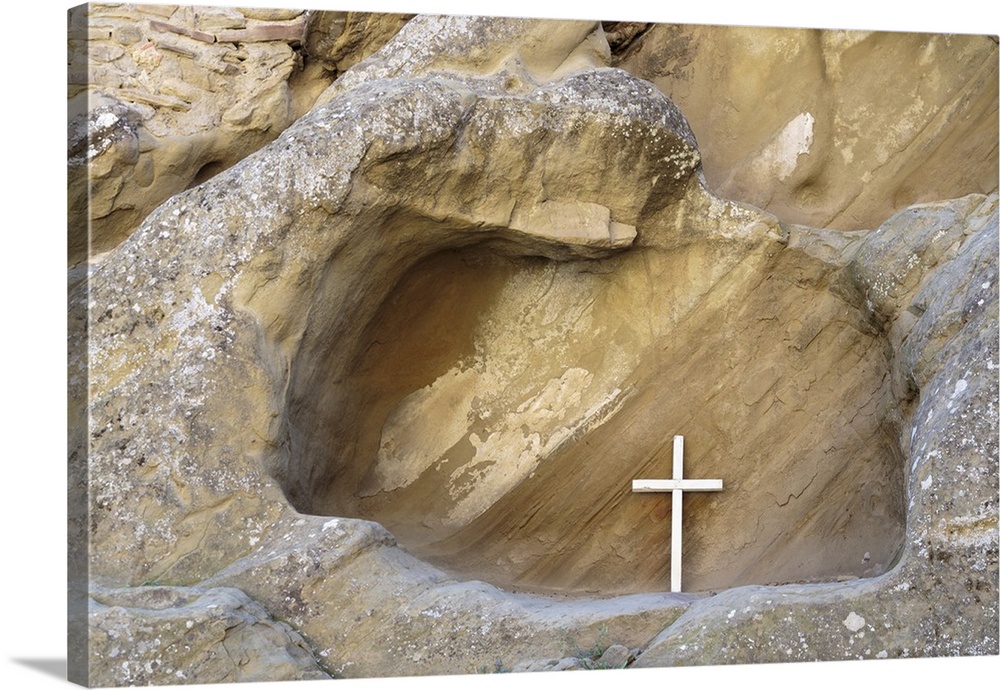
[593, 651]
[497, 668]
[600, 644]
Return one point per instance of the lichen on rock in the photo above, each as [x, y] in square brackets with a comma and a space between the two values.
[194, 89]
[384, 382]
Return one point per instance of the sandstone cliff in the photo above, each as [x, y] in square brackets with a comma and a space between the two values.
[384, 381]
[166, 96]
[832, 129]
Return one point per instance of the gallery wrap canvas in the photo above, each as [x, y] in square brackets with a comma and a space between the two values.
[409, 344]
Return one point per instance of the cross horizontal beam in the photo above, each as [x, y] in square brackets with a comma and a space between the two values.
[651, 485]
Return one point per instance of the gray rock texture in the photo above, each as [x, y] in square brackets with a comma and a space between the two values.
[170, 95]
[615, 656]
[368, 402]
[174, 635]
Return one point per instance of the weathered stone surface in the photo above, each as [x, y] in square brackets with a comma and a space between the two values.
[182, 31]
[175, 635]
[615, 656]
[574, 223]
[370, 609]
[342, 39]
[215, 19]
[569, 663]
[243, 84]
[180, 325]
[523, 51]
[468, 298]
[184, 139]
[940, 599]
[822, 172]
[165, 11]
[270, 14]
[374, 175]
[291, 32]
[836, 129]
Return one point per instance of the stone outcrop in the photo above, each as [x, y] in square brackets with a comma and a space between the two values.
[339, 40]
[389, 378]
[831, 129]
[178, 93]
[197, 508]
[929, 277]
[175, 635]
[169, 95]
[324, 186]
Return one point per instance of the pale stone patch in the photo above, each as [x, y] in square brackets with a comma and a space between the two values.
[793, 141]
[960, 387]
[574, 223]
[854, 622]
[406, 450]
[509, 455]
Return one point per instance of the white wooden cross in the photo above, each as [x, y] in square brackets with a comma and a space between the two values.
[678, 485]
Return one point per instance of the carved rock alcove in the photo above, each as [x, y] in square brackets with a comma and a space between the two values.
[499, 408]
[471, 307]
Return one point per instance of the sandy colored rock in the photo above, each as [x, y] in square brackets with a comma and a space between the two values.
[182, 529]
[212, 20]
[339, 40]
[522, 50]
[183, 141]
[290, 32]
[940, 599]
[270, 14]
[366, 180]
[182, 31]
[243, 83]
[835, 129]
[176, 635]
[165, 11]
[401, 365]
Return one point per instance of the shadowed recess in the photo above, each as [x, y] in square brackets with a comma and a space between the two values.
[497, 409]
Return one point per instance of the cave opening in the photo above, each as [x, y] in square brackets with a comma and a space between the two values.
[496, 409]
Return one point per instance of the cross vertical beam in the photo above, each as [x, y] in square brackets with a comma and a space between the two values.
[677, 496]
[676, 486]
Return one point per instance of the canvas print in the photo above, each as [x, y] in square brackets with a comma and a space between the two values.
[412, 345]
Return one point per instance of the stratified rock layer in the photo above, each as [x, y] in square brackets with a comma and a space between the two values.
[170, 95]
[831, 129]
[935, 270]
[198, 282]
[151, 635]
[193, 340]
[469, 302]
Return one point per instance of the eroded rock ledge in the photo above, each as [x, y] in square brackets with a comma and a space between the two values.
[167, 96]
[287, 399]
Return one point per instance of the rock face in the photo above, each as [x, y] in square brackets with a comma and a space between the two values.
[929, 277]
[339, 40]
[177, 634]
[832, 129]
[432, 332]
[170, 95]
